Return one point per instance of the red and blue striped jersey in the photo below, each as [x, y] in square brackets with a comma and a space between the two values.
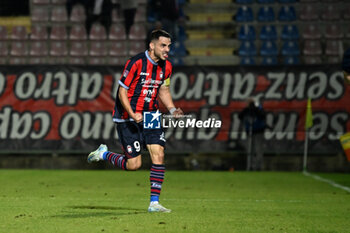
[142, 77]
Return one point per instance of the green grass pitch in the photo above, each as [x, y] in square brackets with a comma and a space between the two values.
[116, 201]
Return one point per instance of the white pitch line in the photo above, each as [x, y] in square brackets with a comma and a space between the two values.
[331, 182]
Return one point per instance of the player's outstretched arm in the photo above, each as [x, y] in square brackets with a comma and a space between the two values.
[167, 100]
[123, 96]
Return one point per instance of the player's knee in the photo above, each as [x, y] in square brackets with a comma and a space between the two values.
[134, 166]
[158, 158]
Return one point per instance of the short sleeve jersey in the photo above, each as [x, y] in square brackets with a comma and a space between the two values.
[142, 77]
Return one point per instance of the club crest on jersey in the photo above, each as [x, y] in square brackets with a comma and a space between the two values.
[161, 74]
[126, 72]
[129, 149]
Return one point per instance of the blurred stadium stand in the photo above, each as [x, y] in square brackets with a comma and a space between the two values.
[216, 32]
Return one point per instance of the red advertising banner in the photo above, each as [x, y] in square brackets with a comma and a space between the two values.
[67, 108]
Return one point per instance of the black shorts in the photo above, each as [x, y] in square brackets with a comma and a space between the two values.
[133, 137]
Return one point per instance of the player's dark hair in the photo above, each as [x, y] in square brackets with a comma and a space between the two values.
[158, 33]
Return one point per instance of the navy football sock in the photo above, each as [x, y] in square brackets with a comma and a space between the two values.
[156, 178]
[117, 160]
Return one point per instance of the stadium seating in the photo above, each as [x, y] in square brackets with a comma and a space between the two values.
[58, 2]
[287, 1]
[58, 49]
[19, 48]
[97, 61]
[97, 48]
[334, 47]
[244, 1]
[308, 12]
[247, 32]
[333, 31]
[116, 16]
[78, 49]
[137, 47]
[41, 1]
[290, 48]
[287, 14]
[247, 48]
[177, 61]
[291, 60]
[345, 12]
[3, 49]
[178, 49]
[266, 14]
[312, 47]
[269, 48]
[290, 32]
[58, 32]
[137, 32]
[97, 32]
[19, 33]
[76, 60]
[269, 60]
[244, 14]
[78, 32]
[59, 15]
[40, 14]
[311, 31]
[247, 61]
[268, 32]
[118, 48]
[331, 13]
[312, 60]
[78, 14]
[3, 33]
[117, 32]
[38, 48]
[39, 32]
[140, 16]
[266, 1]
[116, 60]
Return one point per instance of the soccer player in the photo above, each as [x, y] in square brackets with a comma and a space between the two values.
[146, 77]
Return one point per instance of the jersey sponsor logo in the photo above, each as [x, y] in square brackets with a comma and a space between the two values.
[149, 92]
[151, 120]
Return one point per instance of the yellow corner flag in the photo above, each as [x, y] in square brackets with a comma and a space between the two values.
[309, 119]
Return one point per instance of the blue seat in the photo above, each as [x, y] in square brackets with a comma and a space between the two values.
[244, 14]
[244, 1]
[246, 32]
[266, 1]
[268, 32]
[269, 61]
[247, 48]
[269, 48]
[181, 33]
[247, 61]
[290, 48]
[178, 49]
[266, 14]
[287, 14]
[177, 61]
[287, 1]
[291, 60]
[290, 32]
